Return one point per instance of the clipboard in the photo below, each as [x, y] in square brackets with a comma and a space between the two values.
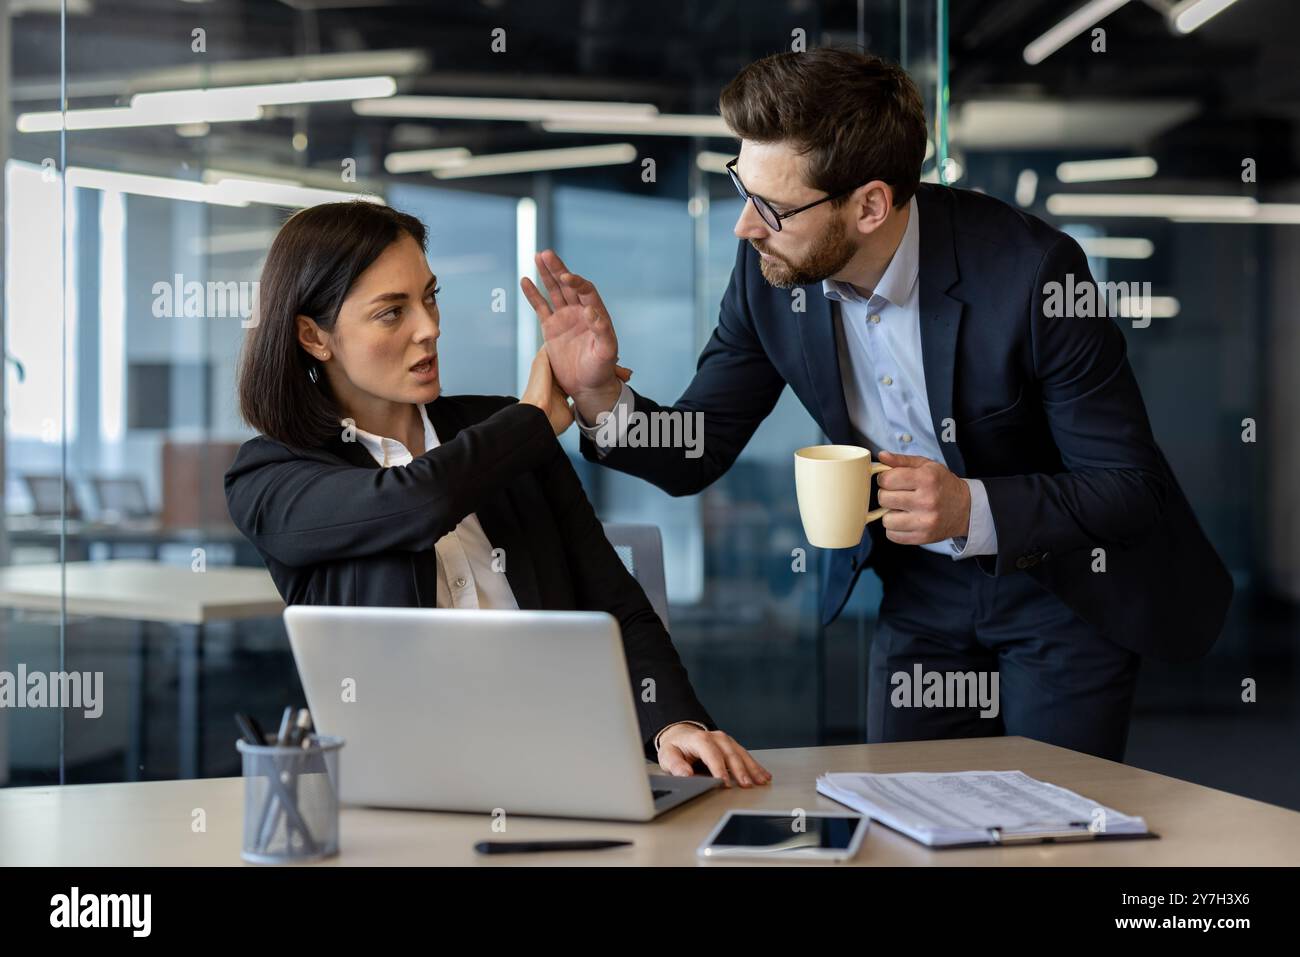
[998, 839]
[1073, 835]
[1062, 830]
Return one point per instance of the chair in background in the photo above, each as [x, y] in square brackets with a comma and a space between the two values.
[121, 496]
[641, 549]
[49, 493]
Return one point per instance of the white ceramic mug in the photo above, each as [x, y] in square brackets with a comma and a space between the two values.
[833, 486]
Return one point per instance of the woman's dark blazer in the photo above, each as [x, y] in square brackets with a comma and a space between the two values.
[337, 529]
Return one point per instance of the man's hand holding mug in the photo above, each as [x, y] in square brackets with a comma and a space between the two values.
[920, 500]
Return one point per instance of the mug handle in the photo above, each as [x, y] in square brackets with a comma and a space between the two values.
[875, 513]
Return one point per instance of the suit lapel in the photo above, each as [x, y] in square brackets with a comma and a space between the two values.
[496, 514]
[821, 356]
[940, 315]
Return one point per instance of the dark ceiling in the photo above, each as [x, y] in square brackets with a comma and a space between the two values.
[1240, 69]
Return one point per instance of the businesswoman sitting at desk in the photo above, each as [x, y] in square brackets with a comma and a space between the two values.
[367, 486]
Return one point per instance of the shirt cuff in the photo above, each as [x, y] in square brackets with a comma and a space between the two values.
[982, 536]
[607, 437]
[673, 725]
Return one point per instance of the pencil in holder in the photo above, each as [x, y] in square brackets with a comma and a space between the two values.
[291, 800]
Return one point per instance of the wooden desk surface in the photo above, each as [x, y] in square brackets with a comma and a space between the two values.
[150, 823]
[143, 590]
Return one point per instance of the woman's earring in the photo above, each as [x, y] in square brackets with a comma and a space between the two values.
[313, 372]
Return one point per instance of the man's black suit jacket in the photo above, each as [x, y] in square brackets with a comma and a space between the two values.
[337, 529]
[1046, 411]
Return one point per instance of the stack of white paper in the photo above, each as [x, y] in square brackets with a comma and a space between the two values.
[965, 807]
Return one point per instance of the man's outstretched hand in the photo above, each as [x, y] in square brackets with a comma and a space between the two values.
[579, 334]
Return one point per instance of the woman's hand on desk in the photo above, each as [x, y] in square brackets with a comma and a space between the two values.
[543, 392]
[682, 744]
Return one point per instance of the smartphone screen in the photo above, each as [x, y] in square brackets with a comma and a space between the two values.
[785, 831]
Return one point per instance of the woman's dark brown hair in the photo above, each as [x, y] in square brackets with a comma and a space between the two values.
[854, 116]
[313, 262]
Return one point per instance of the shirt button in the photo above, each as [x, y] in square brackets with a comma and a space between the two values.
[459, 583]
[886, 380]
[905, 437]
[874, 317]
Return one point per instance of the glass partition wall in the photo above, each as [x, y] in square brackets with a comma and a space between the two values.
[1162, 138]
[151, 150]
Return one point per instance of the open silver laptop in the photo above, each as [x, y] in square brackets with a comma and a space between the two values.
[463, 710]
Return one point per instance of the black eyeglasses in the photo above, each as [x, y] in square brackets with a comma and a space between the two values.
[765, 210]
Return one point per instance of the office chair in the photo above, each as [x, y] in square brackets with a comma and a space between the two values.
[121, 496]
[641, 549]
[48, 496]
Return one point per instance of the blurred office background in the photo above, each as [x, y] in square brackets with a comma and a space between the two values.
[591, 126]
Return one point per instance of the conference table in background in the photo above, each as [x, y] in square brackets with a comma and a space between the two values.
[151, 823]
[76, 537]
[150, 591]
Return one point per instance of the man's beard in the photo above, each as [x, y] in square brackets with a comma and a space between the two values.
[831, 254]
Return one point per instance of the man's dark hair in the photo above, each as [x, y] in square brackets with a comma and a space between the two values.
[313, 262]
[856, 117]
